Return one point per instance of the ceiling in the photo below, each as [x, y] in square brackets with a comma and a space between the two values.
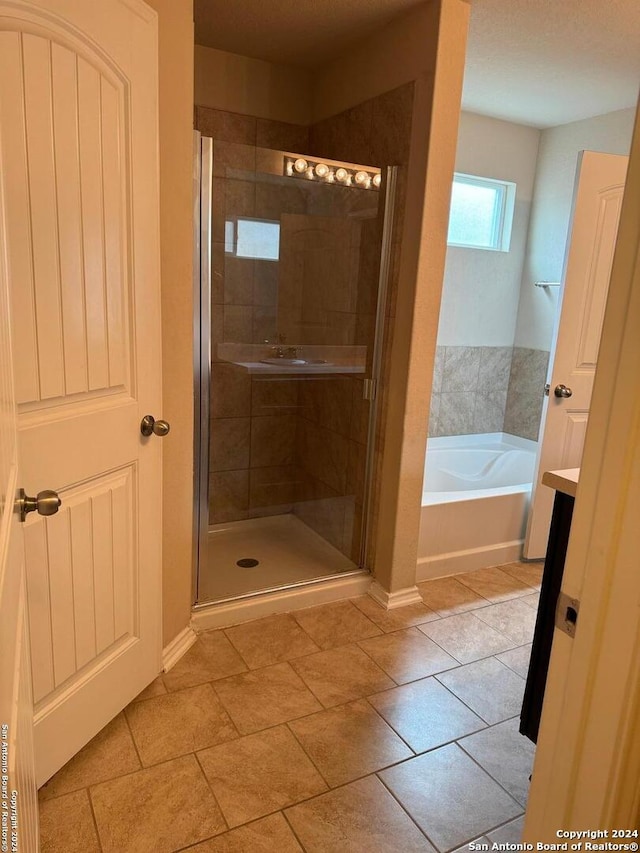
[536, 62]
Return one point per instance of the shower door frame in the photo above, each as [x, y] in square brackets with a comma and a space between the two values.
[202, 222]
[202, 218]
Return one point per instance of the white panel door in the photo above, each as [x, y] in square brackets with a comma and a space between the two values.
[596, 213]
[78, 111]
[18, 797]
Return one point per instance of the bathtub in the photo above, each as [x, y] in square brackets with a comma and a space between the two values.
[475, 501]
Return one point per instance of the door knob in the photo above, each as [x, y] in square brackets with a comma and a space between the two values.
[44, 503]
[149, 425]
[562, 391]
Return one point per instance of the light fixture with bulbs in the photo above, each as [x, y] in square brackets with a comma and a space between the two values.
[327, 173]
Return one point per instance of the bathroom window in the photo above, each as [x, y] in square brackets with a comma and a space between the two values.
[481, 213]
[252, 238]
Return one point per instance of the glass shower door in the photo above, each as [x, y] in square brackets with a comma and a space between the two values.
[295, 314]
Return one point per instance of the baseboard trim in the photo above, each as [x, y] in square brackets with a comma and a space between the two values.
[179, 646]
[391, 600]
[457, 562]
[229, 613]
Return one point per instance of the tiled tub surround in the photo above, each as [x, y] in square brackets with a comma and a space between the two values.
[340, 727]
[526, 392]
[487, 389]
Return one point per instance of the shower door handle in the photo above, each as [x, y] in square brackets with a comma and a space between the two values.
[562, 391]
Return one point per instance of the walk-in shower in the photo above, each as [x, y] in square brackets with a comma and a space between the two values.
[292, 257]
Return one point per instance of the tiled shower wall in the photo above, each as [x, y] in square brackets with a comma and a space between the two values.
[281, 445]
[377, 133]
[487, 389]
[253, 421]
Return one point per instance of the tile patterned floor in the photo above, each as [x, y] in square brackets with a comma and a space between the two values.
[337, 728]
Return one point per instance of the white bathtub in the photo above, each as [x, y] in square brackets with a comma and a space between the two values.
[475, 502]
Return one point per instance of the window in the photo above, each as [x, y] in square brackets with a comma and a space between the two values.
[481, 213]
[252, 238]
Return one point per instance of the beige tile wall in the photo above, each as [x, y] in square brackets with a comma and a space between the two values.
[376, 132]
[300, 445]
[252, 427]
[487, 389]
[526, 392]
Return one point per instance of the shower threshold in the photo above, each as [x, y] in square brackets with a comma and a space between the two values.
[287, 552]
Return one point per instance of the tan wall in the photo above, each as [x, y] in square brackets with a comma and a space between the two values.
[176, 218]
[438, 91]
[239, 84]
[427, 46]
[399, 53]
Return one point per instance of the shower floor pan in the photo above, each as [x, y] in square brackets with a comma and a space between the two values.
[287, 551]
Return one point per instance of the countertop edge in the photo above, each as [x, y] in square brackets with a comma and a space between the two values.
[565, 480]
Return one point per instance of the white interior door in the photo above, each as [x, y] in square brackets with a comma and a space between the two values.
[596, 213]
[78, 111]
[16, 704]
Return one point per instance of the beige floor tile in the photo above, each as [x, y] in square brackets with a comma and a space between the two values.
[109, 754]
[514, 619]
[212, 656]
[266, 697]
[425, 714]
[271, 640]
[532, 600]
[336, 624]
[451, 799]
[529, 573]
[506, 755]
[447, 596]
[495, 585]
[178, 723]
[156, 688]
[407, 655]
[517, 659]
[510, 833]
[260, 774]
[267, 835]
[340, 675]
[467, 637]
[157, 810]
[349, 741]
[394, 620]
[362, 816]
[66, 825]
[489, 688]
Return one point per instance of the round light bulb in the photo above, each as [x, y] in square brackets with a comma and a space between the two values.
[300, 165]
[310, 173]
[322, 170]
[341, 174]
[361, 178]
[377, 180]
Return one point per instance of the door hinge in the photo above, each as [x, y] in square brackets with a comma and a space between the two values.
[369, 389]
[567, 611]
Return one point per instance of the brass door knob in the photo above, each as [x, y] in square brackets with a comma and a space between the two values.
[150, 426]
[44, 503]
[562, 391]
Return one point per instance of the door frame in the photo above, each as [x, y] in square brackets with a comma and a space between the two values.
[587, 767]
